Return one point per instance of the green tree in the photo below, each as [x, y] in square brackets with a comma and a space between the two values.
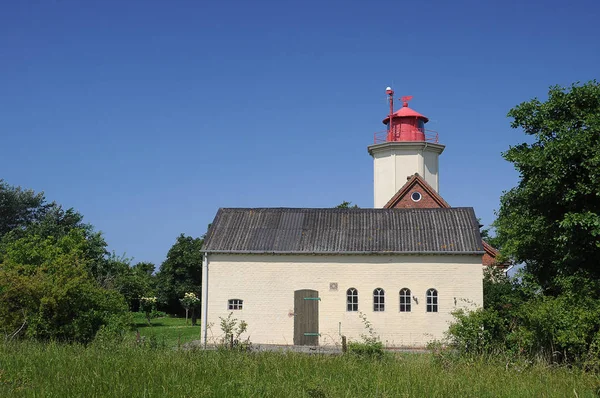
[47, 292]
[346, 205]
[144, 268]
[55, 223]
[135, 282]
[551, 220]
[180, 273]
[19, 207]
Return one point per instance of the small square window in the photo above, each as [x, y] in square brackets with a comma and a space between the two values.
[235, 304]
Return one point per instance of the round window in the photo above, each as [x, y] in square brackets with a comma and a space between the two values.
[416, 196]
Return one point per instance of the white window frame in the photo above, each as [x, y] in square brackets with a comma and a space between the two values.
[352, 300]
[405, 303]
[432, 304]
[235, 304]
[378, 300]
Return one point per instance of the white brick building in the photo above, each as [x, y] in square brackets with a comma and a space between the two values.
[302, 276]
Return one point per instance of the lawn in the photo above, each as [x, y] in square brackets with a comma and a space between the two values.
[166, 331]
[53, 370]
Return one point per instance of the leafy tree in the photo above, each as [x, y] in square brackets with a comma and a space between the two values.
[144, 268]
[180, 273]
[551, 223]
[58, 279]
[189, 300]
[19, 207]
[346, 205]
[135, 282]
[47, 292]
[551, 220]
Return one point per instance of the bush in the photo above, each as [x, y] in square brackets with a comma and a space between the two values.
[114, 332]
[522, 321]
[57, 303]
[232, 332]
[370, 346]
[366, 349]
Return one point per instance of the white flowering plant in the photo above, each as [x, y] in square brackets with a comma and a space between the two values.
[189, 301]
[148, 305]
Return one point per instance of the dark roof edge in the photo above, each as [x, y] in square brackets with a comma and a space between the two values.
[382, 253]
[211, 230]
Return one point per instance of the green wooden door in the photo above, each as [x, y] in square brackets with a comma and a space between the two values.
[306, 317]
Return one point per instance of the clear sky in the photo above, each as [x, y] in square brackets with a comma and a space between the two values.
[147, 116]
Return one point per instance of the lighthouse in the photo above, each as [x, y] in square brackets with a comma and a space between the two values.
[406, 147]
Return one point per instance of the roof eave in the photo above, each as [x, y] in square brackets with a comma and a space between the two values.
[479, 253]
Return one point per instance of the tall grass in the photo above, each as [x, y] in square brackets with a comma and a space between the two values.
[37, 370]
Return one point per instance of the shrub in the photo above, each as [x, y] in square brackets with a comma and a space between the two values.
[370, 346]
[148, 306]
[522, 321]
[232, 332]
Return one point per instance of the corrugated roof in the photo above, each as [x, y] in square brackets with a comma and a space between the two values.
[344, 231]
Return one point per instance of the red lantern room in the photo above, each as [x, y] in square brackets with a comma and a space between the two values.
[404, 124]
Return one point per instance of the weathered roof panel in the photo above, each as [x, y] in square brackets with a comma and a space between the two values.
[344, 231]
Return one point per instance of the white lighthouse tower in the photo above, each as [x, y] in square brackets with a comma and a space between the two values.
[403, 149]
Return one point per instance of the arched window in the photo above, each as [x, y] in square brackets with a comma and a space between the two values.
[235, 304]
[405, 300]
[378, 299]
[352, 299]
[432, 300]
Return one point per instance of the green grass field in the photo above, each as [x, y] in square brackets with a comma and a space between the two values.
[159, 369]
[53, 370]
[166, 331]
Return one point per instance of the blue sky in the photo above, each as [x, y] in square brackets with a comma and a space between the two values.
[147, 116]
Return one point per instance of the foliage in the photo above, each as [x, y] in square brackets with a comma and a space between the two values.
[114, 332]
[180, 273]
[47, 293]
[370, 346]
[519, 320]
[132, 282]
[551, 220]
[551, 223]
[189, 300]
[19, 207]
[232, 332]
[57, 281]
[346, 205]
[56, 223]
[54, 370]
[148, 305]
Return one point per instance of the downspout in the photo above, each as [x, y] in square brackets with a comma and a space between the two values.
[205, 298]
[508, 269]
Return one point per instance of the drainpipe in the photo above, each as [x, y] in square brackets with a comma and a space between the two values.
[508, 269]
[205, 297]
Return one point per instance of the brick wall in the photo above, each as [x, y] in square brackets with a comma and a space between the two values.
[426, 202]
[267, 283]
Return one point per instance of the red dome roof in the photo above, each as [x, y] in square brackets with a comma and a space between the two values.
[405, 111]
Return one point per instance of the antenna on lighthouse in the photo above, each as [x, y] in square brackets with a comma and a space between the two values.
[390, 94]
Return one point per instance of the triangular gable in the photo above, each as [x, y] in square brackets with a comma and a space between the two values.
[429, 197]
